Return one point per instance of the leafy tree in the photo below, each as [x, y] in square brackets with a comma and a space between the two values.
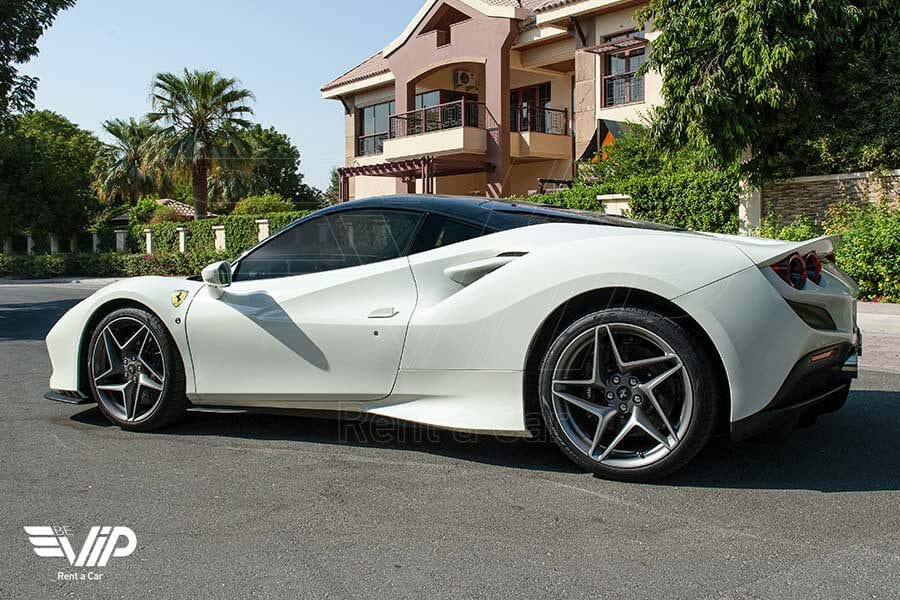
[22, 22]
[121, 171]
[737, 72]
[275, 168]
[333, 194]
[203, 123]
[45, 174]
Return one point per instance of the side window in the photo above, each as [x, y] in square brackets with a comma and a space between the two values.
[335, 241]
[441, 231]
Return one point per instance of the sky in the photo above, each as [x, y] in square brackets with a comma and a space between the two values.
[98, 60]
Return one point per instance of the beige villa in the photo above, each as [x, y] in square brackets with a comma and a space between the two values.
[492, 97]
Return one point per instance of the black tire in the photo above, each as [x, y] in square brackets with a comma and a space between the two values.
[172, 402]
[699, 369]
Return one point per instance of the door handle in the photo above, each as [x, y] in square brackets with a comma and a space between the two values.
[383, 313]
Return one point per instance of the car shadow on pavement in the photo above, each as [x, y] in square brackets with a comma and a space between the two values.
[854, 450]
[363, 431]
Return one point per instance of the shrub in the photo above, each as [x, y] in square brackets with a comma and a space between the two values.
[798, 230]
[108, 264]
[869, 247]
[165, 214]
[260, 205]
[676, 188]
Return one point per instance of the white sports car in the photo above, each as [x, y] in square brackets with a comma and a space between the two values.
[631, 344]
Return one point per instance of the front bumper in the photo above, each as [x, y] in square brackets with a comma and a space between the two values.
[818, 383]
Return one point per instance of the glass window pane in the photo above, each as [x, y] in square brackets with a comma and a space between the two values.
[636, 59]
[615, 64]
[381, 118]
[440, 231]
[335, 241]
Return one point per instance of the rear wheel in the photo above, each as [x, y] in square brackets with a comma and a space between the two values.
[136, 375]
[628, 394]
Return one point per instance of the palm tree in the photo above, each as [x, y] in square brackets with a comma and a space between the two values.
[121, 169]
[202, 114]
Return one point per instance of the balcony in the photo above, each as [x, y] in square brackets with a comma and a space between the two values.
[453, 128]
[541, 133]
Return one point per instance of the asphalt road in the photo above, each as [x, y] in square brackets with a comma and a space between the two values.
[282, 507]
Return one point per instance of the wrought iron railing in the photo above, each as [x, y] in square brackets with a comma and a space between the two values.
[623, 89]
[369, 145]
[554, 121]
[451, 115]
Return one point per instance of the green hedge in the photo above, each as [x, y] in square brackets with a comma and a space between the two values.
[108, 264]
[241, 232]
[700, 201]
[868, 247]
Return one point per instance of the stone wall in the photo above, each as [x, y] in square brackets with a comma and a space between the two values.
[811, 196]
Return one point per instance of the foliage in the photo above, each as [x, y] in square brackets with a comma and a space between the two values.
[580, 197]
[752, 74]
[332, 194]
[166, 214]
[203, 119]
[121, 172]
[45, 163]
[679, 188]
[799, 230]
[258, 205]
[869, 248]
[22, 22]
[109, 264]
[241, 232]
[276, 168]
[143, 210]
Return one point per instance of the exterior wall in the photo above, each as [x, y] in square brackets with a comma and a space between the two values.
[811, 196]
[524, 176]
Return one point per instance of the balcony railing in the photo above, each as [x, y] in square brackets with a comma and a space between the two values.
[452, 115]
[526, 118]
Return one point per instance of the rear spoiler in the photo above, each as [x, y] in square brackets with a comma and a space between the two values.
[764, 252]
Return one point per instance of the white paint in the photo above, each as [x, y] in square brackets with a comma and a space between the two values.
[262, 229]
[749, 207]
[148, 240]
[73, 243]
[95, 242]
[54, 244]
[452, 355]
[29, 245]
[182, 239]
[615, 204]
[219, 232]
[121, 239]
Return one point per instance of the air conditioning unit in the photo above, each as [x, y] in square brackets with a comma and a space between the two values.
[464, 79]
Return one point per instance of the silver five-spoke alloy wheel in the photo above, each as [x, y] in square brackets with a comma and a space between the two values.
[128, 369]
[622, 395]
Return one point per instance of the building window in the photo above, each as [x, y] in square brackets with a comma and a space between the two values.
[373, 127]
[530, 111]
[622, 84]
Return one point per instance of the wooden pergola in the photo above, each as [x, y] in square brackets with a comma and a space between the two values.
[426, 168]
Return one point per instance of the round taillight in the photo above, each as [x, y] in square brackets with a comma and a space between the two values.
[793, 270]
[797, 270]
[813, 268]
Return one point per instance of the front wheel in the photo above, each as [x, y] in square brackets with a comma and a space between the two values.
[628, 394]
[135, 372]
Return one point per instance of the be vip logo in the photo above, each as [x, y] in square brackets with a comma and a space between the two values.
[102, 543]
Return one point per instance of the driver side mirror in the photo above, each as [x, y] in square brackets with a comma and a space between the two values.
[217, 277]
